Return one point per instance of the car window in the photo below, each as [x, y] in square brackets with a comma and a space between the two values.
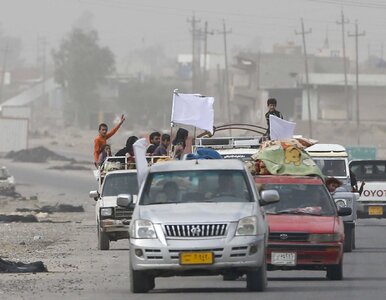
[120, 183]
[196, 186]
[332, 167]
[369, 171]
[301, 199]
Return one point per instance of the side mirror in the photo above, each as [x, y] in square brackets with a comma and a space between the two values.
[344, 211]
[94, 194]
[124, 200]
[269, 196]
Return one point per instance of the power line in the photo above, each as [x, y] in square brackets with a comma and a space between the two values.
[366, 4]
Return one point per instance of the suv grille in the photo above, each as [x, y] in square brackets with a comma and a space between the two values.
[123, 213]
[195, 230]
[288, 236]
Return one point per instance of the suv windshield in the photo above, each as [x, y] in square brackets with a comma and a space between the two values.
[120, 183]
[196, 186]
[301, 199]
[332, 167]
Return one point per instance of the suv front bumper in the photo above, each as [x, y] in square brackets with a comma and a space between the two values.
[241, 253]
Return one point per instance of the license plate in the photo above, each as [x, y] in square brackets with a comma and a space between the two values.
[283, 258]
[375, 210]
[196, 258]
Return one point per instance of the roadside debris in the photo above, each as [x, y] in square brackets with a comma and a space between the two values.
[70, 166]
[54, 208]
[7, 266]
[38, 154]
[18, 218]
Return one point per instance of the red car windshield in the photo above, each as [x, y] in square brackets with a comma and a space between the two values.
[301, 199]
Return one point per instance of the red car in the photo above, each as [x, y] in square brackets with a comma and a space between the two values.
[306, 232]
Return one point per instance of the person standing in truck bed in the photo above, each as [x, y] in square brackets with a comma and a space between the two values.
[271, 103]
[102, 138]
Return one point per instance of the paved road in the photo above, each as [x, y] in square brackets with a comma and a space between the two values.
[82, 272]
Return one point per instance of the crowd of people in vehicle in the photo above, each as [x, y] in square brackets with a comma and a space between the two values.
[159, 145]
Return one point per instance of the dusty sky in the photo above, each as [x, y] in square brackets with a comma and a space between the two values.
[124, 25]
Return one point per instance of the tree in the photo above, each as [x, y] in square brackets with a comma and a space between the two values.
[80, 65]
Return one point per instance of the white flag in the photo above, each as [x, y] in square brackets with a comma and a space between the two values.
[194, 110]
[280, 129]
[140, 159]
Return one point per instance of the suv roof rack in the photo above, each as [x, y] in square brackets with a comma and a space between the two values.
[227, 142]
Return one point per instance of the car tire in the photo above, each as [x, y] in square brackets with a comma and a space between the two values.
[257, 280]
[151, 280]
[140, 282]
[103, 240]
[353, 238]
[335, 272]
[348, 240]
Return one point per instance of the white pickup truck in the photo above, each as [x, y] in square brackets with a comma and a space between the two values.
[372, 201]
[113, 220]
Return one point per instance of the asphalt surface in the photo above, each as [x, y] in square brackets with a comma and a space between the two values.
[78, 271]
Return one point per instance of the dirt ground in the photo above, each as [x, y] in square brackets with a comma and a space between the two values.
[66, 242]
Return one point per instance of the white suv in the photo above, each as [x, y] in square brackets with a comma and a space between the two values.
[198, 218]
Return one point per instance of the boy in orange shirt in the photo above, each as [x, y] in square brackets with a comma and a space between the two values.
[102, 138]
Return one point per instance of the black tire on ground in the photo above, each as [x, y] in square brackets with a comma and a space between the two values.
[151, 282]
[335, 272]
[257, 280]
[103, 240]
[353, 239]
[348, 240]
[140, 282]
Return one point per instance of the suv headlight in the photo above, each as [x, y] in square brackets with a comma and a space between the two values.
[143, 229]
[106, 211]
[247, 226]
[325, 237]
[341, 203]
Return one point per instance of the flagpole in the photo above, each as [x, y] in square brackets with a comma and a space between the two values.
[194, 138]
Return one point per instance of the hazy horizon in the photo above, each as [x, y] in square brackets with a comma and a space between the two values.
[125, 26]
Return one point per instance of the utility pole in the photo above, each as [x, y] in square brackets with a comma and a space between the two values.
[41, 60]
[3, 67]
[342, 22]
[303, 33]
[356, 35]
[224, 32]
[205, 74]
[193, 23]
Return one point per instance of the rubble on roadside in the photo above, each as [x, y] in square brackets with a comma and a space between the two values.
[54, 208]
[38, 154]
[30, 218]
[70, 166]
[7, 266]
